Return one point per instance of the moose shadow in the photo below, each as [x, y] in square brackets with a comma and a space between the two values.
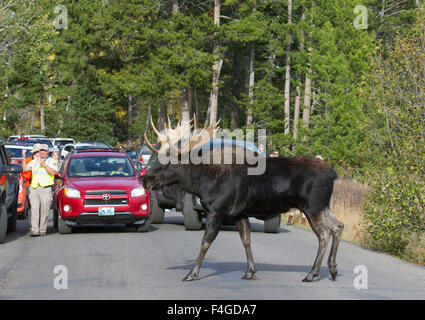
[221, 268]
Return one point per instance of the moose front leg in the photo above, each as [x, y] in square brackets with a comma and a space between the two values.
[212, 227]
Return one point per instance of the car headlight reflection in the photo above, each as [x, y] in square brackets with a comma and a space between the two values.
[72, 193]
[137, 192]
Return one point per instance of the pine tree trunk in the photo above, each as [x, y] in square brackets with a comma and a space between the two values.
[184, 107]
[307, 92]
[288, 74]
[215, 70]
[307, 99]
[190, 102]
[162, 116]
[42, 116]
[130, 120]
[236, 93]
[298, 88]
[251, 82]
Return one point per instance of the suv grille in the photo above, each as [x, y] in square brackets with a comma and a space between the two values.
[100, 192]
[101, 202]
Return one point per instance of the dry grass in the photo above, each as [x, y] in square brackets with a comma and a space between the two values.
[347, 205]
[415, 249]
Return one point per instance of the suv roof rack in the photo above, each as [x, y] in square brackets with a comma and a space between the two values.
[96, 150]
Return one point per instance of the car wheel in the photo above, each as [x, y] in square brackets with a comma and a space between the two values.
[144, 227]
[55, 218]
[3, 223]
[192, 218]
[157, 212]
[11, 223]
[272, 225]
[63, 227]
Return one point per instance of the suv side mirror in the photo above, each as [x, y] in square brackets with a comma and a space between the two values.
[58, 175]
[142, 173]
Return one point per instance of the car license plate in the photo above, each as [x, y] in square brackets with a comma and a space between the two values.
[106, 211]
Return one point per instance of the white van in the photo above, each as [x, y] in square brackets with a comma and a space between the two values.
[27, 136]
[61, 142]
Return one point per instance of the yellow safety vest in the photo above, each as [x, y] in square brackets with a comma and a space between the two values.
[40, 176]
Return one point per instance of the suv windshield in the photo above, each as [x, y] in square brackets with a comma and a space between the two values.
[17, 152]
[46, 141]
[100, 166]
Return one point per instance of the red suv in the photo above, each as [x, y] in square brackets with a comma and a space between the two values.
[100, 187]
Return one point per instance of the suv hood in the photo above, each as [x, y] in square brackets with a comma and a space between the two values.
[100, 183]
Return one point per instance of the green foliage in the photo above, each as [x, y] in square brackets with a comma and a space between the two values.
[395, 142]
[88, 117]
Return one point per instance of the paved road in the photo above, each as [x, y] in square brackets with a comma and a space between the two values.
[116, 263]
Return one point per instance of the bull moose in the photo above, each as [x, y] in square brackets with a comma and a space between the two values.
[227, 191]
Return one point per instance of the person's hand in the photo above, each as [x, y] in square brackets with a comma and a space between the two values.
[23, 153]
[42, 162]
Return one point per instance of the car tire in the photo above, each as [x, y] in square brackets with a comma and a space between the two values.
[272, 225]
[157, 212]
[144, 227]
[63, 228]
[55, 218]
[3, 223]
[192, 218]
[11, 223]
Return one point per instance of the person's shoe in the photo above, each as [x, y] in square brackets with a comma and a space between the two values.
[42, 234]
[34, 234]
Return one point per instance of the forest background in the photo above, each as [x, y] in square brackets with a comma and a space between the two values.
[340, 78]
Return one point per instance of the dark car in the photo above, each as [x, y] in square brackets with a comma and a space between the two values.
[134, 155]
[169, 197]
[9, 188]
[97, 186]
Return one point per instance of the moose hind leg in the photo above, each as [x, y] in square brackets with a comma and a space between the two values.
[212, 228]
[320, 228]
[244, 228]
[336, 228]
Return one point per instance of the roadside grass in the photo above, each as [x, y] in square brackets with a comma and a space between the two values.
[347, 204]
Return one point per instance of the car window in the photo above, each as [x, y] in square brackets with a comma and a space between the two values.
[146, 150]
[69, 148]
[17, 152]
[100, 166]
[46, 141]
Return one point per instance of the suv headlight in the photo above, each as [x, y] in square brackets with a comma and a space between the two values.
[72, 193]
[137, 192]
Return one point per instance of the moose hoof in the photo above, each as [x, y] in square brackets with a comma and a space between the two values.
[191, 276]
[249, 276]
[333, 271]
[309, 277]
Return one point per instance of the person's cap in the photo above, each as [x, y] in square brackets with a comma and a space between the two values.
[36, 147]
[44, 147]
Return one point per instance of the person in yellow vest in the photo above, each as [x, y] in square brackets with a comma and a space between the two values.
[120, 171]
[43, 170]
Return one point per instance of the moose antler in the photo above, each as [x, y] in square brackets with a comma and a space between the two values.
[199, 139]
[171, 135]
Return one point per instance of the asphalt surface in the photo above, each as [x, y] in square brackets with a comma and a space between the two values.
[114, 262]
